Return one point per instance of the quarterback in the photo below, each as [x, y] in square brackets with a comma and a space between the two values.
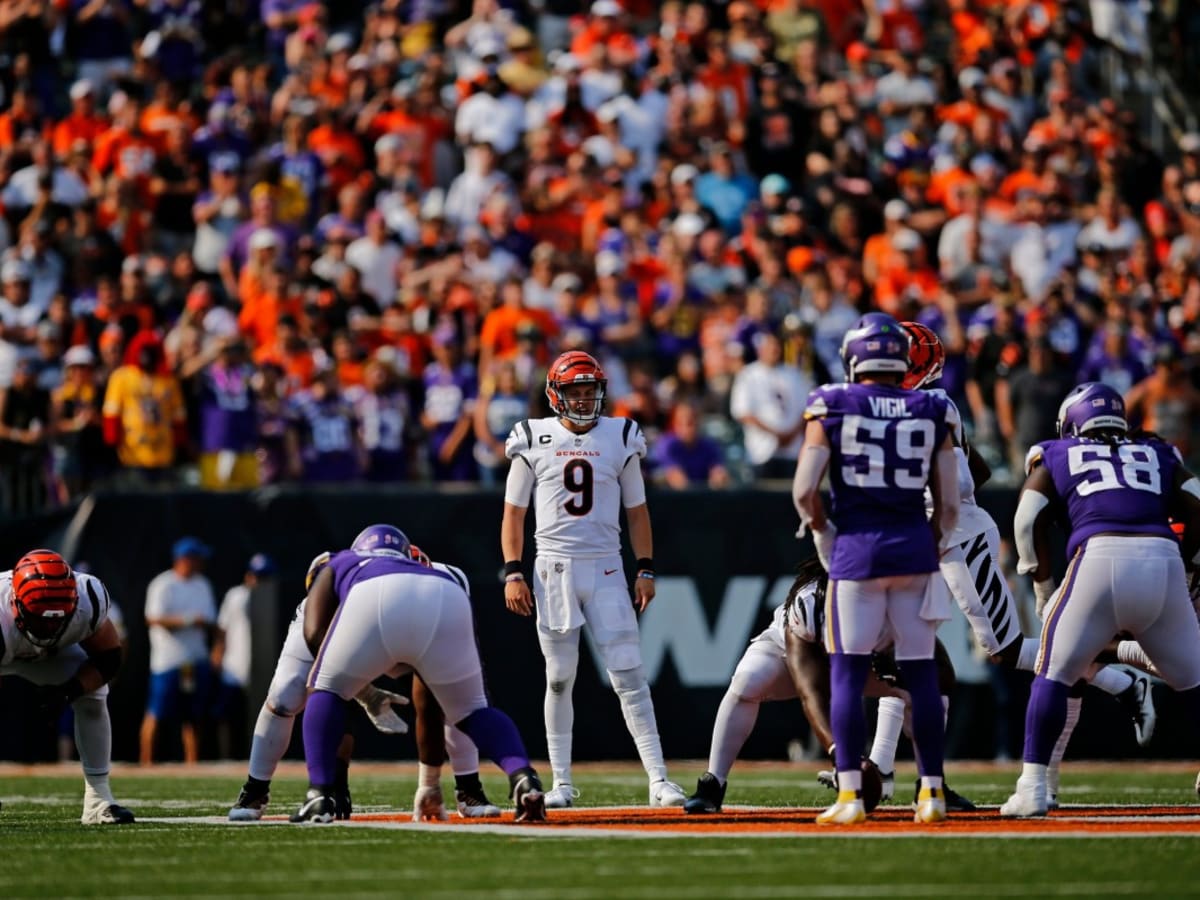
[55, 632]
[582, 467]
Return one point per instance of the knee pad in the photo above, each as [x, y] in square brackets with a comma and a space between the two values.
[287, 699]
[560, 669]
[628, 681]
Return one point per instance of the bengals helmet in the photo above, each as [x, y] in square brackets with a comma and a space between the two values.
[575, 367]
[926, 356]
[44, 596]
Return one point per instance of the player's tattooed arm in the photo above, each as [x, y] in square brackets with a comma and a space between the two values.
[808, 665]
[319, 610]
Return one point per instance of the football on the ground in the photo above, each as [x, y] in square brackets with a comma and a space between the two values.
[872, 785]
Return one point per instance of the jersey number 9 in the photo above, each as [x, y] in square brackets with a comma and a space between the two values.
[578, 479]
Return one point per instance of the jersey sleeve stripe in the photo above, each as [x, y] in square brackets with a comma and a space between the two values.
[522, 458]
[625, 432]
[528, 432]
[91, 592]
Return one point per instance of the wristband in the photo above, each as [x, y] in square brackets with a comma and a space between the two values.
[515, 576]
[512, 567]
[646, 563]
[649, 576]
[428, 776]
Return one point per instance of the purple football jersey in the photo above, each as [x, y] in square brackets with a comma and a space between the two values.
[1123, 487]
[883, 440]
[350, 567]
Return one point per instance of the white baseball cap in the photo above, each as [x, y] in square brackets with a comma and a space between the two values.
[263, 238]
[896, 210]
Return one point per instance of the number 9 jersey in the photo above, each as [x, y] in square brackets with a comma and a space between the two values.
[1123, 486]
[580, 480]
[883, 441]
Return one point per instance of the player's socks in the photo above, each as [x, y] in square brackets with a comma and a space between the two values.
[928, 714]
[634, 693]
[464, 755]
[888, 725]
[558, 749]
[1027, 658]
[497, 738]
[848, 676]
[324, 725]
[468, 783]
[1044, 719]
[1111, 680]
[93, 740]
[735, 720]
[272, 734]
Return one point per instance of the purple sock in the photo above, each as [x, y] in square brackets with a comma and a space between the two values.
[848, 676]
[497, 738]
[928, 716]
[1045, 717]
[324, 725]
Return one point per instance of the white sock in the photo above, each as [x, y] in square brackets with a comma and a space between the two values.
[1027, 658]
[558, 748]
[735, 720]
[1111, 680]
[1031, 775]
[933, 782]
[559, 708]
[1074, 707]
[93, 740]
[464, 755]
[1131, 653]
[634, 694]
[272, 734]
[850, 780]
[888, 725]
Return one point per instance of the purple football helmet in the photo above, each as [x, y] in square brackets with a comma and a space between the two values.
[875, 343]
[375, 538]
[1091, 407]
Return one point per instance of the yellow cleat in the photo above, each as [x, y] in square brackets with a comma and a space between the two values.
[847, 810]
[931, 806]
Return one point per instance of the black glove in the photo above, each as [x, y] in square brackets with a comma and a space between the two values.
[52, 699]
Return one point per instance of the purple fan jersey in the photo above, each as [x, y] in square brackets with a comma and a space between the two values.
[328, 444]
[1123, 487]
[883, 440]
[350, 567]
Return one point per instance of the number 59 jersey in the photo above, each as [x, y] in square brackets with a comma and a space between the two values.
[1123, 486]
[883, 440]
[578, 482]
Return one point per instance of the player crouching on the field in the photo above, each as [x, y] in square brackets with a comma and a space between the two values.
[56, 634]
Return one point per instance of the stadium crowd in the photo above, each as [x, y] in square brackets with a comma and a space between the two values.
[248, 243]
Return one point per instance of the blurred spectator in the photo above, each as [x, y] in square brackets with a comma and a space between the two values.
[180, 613]
[502, 403]
[329, 442]
[24, 421]
[448, 416]
[228, 421]
[385, 422]
[231, 655]
[768, 400]
[1027, 401]
[684, 457]
[79, 453]
[144, 416]
[1167, 402]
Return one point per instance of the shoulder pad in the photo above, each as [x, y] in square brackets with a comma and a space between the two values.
[1033, 458]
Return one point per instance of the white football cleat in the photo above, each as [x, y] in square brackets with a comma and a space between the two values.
[1139, 699]
[847, 810]
[1028, 802]
[475, 805]
[931, 806]
[666, 793]
[561, 796]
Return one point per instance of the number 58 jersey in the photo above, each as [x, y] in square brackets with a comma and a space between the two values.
[1123, 486]
[578, 482]
[883, 440]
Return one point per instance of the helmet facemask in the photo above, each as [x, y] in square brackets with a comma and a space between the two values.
[580, 401]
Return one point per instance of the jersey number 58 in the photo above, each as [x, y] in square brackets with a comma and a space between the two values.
[1138, 468]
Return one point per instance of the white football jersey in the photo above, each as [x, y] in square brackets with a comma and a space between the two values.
[803, 619]
[577, 482]
[90, 614]
[973, 519]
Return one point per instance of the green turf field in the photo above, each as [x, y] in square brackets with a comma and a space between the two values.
[48, 854]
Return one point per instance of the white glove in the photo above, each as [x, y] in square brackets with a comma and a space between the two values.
[1042, 591]
[378, 704]
[428, 805]
[824, 542]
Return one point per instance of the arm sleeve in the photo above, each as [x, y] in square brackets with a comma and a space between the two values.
[1029, 507]
[633, 487]
[518, 489]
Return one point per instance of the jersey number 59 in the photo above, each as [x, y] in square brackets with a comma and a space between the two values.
[880, 453]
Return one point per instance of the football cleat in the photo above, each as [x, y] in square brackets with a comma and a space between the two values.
[931, 806]
[529, 800]
[828, 778]
[561, 796]
[955, 802]
[666, 793]
[251, 803]
[1138, 701]
[847, 810]
[709, 796]
[104, 813]
[475, 805]
[1051, 801]
[317, 807]
[1027, 802]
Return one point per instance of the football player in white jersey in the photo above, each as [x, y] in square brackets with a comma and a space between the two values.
[55, 632]
[286, 698]
[584, 466]
[972, 571]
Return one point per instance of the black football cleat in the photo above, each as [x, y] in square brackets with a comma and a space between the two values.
[251, 802]
[528, 796]
[955, 802]
[709, 796]
[318, 806]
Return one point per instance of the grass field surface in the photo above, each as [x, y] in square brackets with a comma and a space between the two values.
[48, 854]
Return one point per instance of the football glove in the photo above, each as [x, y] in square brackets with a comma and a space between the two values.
[428, 805]
[378, 704]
